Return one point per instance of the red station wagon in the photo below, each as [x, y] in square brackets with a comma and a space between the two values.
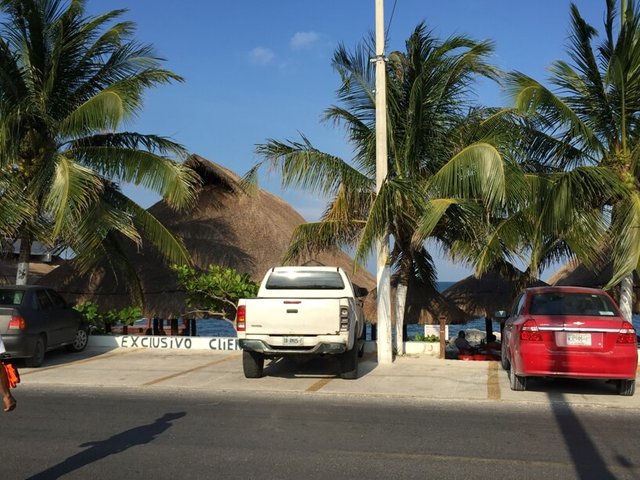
[571, 332]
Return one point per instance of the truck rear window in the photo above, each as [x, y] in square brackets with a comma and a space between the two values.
[304, 280]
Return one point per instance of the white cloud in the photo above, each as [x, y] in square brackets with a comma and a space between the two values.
[261, 56]
[303, 40]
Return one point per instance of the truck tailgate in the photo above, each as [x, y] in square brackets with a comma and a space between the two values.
[300, 316]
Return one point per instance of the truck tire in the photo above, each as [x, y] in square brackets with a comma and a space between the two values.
[349, 364]
[252, 364]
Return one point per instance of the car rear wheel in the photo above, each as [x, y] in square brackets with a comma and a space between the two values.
[517, 382]
[80, 342]
[349, 364]
[504, 361]
[626, 387]
[252, 364]
[38, 354]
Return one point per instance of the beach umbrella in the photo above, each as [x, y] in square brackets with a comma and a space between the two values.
[248, 231]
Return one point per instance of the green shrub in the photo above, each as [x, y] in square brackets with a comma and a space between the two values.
[99, 322]
[419, 337]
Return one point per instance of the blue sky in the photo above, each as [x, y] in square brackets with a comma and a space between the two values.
[260, 69]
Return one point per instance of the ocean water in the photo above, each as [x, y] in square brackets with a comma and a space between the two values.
[212, 327]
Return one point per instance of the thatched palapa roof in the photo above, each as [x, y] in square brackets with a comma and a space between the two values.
[484, 295]
[598, 276]
[9, 269]
[424, 305]
[249, 232]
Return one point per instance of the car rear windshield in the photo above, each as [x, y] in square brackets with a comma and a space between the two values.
[304, 280]
[565, 303]
[11, 297]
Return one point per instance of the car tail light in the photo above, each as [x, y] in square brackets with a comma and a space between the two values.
[17, 323]
[627, 334]
[344, 319]
[241, 315]
[530, 332]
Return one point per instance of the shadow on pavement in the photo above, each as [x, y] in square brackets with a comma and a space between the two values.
[306, 366]
[556, 387]
[113, 445]
[587, 460]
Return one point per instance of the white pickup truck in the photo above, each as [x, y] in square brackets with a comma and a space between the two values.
[306, 310]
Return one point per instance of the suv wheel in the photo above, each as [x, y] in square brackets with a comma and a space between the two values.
[80, 342]
[38, 354]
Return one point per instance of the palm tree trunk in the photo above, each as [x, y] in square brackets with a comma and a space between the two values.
[401, 298]
[626, 296]
[22, 275]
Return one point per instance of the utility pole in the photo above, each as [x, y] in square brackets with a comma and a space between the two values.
[385, 352]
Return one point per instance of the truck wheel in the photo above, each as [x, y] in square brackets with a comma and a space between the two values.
[349, 364]
[252, 364]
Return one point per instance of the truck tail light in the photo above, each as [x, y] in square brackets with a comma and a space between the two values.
[17, 323]
[530, 332]
[627, 334]
[344, 319]
[241, 315]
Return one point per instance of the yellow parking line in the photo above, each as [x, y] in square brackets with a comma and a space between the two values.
[319, 384]
[184, 372]
[493, 381]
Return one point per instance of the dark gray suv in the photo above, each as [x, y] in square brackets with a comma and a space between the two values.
[35, 320]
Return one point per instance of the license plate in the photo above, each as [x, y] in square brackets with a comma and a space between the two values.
[581, 339]
[292, 341]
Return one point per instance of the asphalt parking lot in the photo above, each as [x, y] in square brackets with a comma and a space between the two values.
[411, 376]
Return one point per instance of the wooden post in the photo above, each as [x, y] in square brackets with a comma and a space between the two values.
[174, 326]
[488, 326]
[443, 321]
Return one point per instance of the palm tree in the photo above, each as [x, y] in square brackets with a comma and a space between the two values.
[69, 81]
[428, 98]
[592, 121]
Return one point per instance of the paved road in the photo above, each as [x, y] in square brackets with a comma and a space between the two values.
[139, 413]
[104, 433]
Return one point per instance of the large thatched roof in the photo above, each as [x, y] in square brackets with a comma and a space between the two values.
[247, 231]
[37, 269]
[484, 295]
[424, 305]
[575, 273]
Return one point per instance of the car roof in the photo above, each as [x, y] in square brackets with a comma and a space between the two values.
[565, 289]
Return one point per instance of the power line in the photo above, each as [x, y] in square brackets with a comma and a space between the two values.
[393, 10]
